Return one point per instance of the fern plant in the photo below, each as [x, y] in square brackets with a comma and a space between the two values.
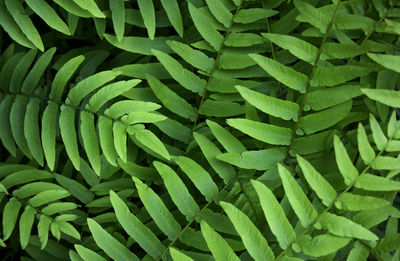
[199, 130]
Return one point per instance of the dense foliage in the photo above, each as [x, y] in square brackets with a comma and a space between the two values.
[199, 130]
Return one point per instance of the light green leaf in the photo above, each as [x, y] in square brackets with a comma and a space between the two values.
[342, 226]
[178, 255]
[317, 182]
[311, 15]
[192, 56]
[117, 8]
[297, 198]
[216, 243]
[171, 100]
[171, 7]
[87, 254]
[221, 108]
[354, 202]
[135, 228]
[252, 238]
[183, 76]
[206, 28]
[220, 12]
[323, 245]
[275, 215]
[119, 130]
[43, 230]
[210, 152]
[178, 191]
[367, 153]
[386, 163]
[387, 97]
[49, 15]
[358, 253]
[199, 176]
[276, 107]
[388, 61]
[150, 140]
[91, 6]
[377, 133]
[322, 120]
[75, 188]
[112, 247]
[10, 217]
[328, 97]
[157, 210]
[105, 127]
[257, 159]
[63, 76]
[148, 14]
[69, 230]
[376, 183]
[47, 197]
[227, 140]
[243, 39]
[89, 138]
[286, 75]
[261, 131]
[299, 48]
[68, 134]
[344, 163]
[25, 225]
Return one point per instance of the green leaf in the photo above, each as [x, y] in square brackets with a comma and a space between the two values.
[388, 61]
[261, 131]
[68, 134]
[252, 238]
[317, 182]
[331, 76]
[284, 74]
[386, 163]
[210, 152]
[299, 48]
[311, 15]
[105, 127]
[323, 245]
[91, 6]
[376, 183]
[75, 188]
[63, 76]
[199, 176]
[192, 56]
[342, 226]
[25, 176]
[140, 45]
[217, 244]
[257, 159]
[171, 7]
[43, 230]
[31, 130]
[183, 76]
[359, 252]
[117, 8]
[25, 225]
[17, 11]
[367, 153]
[48, 135]
[112, 247]
[354, 202]
[387, 97]
[69, 230]
[49, 15]
[227, 140]
[220, 12]
[273, 106]
[377, 133]
[87, 254]
[178, 255]
[135, 228]
[250, 15]
[178, 191]
[344, 163]
[275, 215]
[150, 140]
[47, 197]
[148, 14]
[10, 217]
[297, 198]
[86, 86]
[90, 143]
[171, 100]
[205, 27]
[119, 130]
[157, 210]
[328, 97]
